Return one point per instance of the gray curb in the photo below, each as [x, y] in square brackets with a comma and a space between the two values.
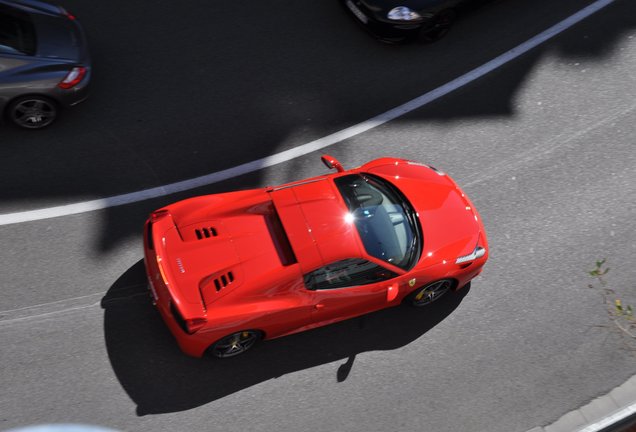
[599, 414]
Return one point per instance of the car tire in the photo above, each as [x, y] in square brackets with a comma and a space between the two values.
[430, 292]
[440, 26]
[32, 112]
[234, 344]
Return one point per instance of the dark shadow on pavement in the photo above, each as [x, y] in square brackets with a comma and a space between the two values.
[159, 378]
[261, 82]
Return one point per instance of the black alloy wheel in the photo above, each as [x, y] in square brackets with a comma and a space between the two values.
[32, 112]
[235, 344]
[431, 292]
[442, 23]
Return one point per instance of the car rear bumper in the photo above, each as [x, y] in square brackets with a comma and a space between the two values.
[191, 344]
[76, 95]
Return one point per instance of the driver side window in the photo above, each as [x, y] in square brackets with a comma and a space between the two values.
[347, 273]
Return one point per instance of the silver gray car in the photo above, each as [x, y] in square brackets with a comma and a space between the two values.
[44, 62]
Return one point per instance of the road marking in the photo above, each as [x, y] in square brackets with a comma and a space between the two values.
[10, 311]
[550, 146]
[62, 307]
[302, 150]
[46, 314]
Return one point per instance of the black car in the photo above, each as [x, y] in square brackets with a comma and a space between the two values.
[44, 62]
[403, 20]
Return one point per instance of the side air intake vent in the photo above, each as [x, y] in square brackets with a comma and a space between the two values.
[205, 233]
[223, 280]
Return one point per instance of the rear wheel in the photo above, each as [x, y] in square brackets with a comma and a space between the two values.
[235, 344]
[431, 292]
[32, 112]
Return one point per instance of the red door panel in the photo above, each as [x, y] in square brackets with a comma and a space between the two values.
[337, 304]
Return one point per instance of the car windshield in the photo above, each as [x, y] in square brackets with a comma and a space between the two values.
[17, 33]
[387, 224]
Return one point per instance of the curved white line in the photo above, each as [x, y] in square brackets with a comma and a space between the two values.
[99, 204]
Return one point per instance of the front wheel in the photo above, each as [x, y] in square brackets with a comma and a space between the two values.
[431, 292]
[235, 344]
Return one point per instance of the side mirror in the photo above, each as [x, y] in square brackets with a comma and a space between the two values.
[392, 292]
[331, 162]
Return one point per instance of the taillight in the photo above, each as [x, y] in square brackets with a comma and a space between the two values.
[163, 274]
[195, 324]
[66, 13]
[189, 326]
[73, 77]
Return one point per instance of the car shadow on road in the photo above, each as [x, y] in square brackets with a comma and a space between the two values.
[159, 378]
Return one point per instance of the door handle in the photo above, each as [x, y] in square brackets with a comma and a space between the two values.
[319, 306]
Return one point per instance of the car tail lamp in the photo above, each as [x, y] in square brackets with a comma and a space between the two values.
[191, 325]
[195, 324]
[163, 274]
[73, 77]
[67, 14]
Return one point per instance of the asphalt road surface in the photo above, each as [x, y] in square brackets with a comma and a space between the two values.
[544, 146]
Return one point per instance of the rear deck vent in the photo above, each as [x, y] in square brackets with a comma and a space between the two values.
[223, 281]
[206, 233]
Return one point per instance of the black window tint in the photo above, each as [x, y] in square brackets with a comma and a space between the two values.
[17, 33]
[346, 273]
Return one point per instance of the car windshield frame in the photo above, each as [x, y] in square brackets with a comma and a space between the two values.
[389, 231]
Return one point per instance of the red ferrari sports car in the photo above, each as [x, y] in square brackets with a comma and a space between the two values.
[227, 270]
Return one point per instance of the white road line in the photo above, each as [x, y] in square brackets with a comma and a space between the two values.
[10, 311]
[557, 142]
[46, 314]
[50, 309]
[302, 150]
